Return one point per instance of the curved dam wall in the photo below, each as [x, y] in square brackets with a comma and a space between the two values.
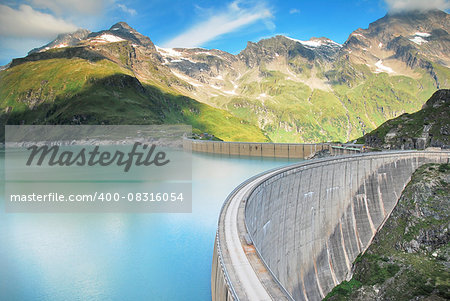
[221, 288]
[309, 222]
[256, 149]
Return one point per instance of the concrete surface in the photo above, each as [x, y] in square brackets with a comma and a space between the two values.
[308, 222]
[274, 150]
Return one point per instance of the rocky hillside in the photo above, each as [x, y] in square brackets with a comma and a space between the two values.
[64, 40]
[415, 40]
[319, 90]
[428, 127]
[278, 89]
[409, 258]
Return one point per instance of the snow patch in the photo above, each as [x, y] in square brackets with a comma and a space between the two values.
[107, 38]
[172, 53]
[333, 43]
[359, 35]
[382, 68]
[186, 79]
[312, 43]
[230, 92]
[168, 52]
[380, 45]
[224, 91]
[422, 34]
[219, 77]
[235, 86]
[295, 40]
[110, 38]
[316, 43]
[418, 40]
[209, 53]
[115, 28]
[181, 59]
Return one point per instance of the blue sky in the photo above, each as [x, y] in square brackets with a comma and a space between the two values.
[225, 25]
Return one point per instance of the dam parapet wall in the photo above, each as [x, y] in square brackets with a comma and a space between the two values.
[272, 150]
[308, 222]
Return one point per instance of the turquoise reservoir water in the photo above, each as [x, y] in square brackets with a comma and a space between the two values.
[121, 256]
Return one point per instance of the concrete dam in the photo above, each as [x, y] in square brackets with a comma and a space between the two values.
[260, 149]
[294, 232]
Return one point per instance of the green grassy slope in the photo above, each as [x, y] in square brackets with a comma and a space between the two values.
[82, 85]
[431, 123]
[79, 91]
[291, 111]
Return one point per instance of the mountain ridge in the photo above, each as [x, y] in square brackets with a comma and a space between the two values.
[292, 90]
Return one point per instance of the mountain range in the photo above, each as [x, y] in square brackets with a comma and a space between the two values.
[279, 89]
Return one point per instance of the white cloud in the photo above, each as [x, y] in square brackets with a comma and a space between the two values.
[25, 22]
[294, 11]
[408, 5]
[217, 24]
[127, 10]
[59, 7]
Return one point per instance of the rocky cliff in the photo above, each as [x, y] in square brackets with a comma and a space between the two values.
[409, 257]
[429, 127]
